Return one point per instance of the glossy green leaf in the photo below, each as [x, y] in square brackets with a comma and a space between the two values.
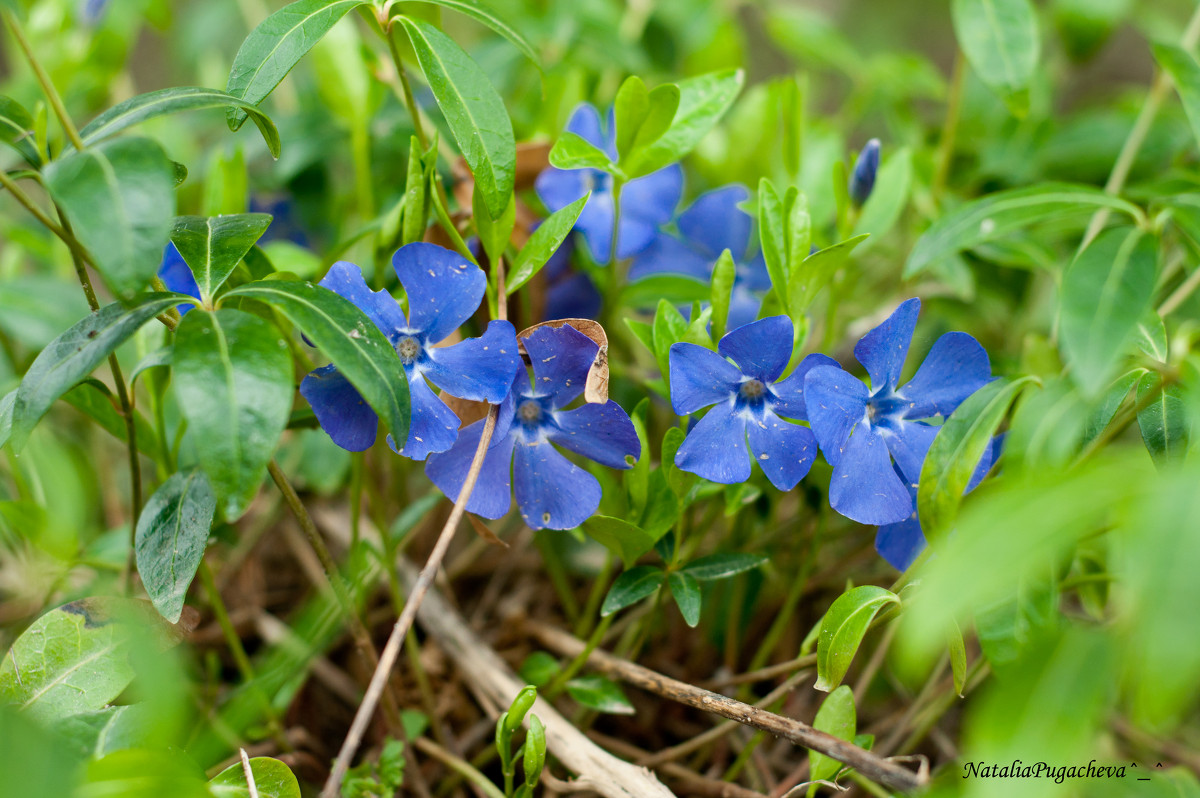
[75, 354]
[625, 540]
[843, 629]
[354, 344]
[631, 587]
[272, 779]
[575, 152]
[172, 533]
[473, 110]
[703, 100]
[837, 717]
[1105, 293]
[1000, 40]
[233, 381]
[1185, 74]
[16, 130]
[723, 275]
[1150, 336]
[172, 101]
[956, 451]
[119, 197]
[685, 589]
[996, 215]
[213, 246]
[543, 243]
[1164, 422]
[277, 45]
[888, 199]
[481, 13]
[772, 235]
[723, 566]
[599, 694]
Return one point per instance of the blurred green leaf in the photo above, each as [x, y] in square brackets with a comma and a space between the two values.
[539, 669]
[213, 246]
[888, 199]
[686, 592]
[680, 481]
[837, 717]
[1166, 428]
[670, 327]
[816, 270]
[958, 658]
[1000, 40]
[481, 13]
[1185, 73]
[93, 398]
[34, 763]
[723, 566]
[843, 629]
[543, 243]
[272, 778]
[723, 275]
[16, 130]
[599, 694]
[631, 587]
[172, 533]
[575, 152]
[144, 773]
[625, 540]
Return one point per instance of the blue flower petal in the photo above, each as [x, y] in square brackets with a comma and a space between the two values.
[753, 274]
[864, 486]
[443, 288]
[492, 495]
[595, 224]
[744, 306]
[573, 297]
[715, 223]
[785, 452]
[434, 426]
[667, 254]
[652, 199]
[340, 409]
[835, 401]
[716, 447]
[561, 357]
[789, 393]
[955, 368]
[884, 348]
[909, 442]
[552, 492]
[602, 433]
[480, 369]
[558, 188]
[346, 280]
[177, 276]
[862, 179]
[637, 234]
[699, 378]
[585, 123]
[761, 349]
[900, 543]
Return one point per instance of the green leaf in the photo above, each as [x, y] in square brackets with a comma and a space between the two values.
[1185, 73]
[172, 533]
[669, 328]
[1000, 40]
[119, 197]
[1004, 212]
[416, 209]
[816, 270]
[703, 100]
[843, 629]
[622, 538]
[543, 243]
[837, 717]
[888, 199]
[277, 45]
[539, 669]
[153, 104]
[34, 761]
[958, 658]
[354, 344]
[213, 246]
[114, 728]
[473, 110]
[93, 398]
[956, 451]
[676, 288]
[600, 694]
[631, 587]
[771, 234]
[233, 381]
[575, 152]
[642, 117]
[75, 354]
[629, 111]
[480, 13]
[723, 275]
[680, 481]
[1166, 428]
[493, 233]
[723, 566]
[1105, 293]
[145, 773]
[272, 778]
[686, 592]
[16, 130]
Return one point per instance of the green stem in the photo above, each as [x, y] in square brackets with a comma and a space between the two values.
[950, 126]
[406, 88]
[599, 588]
[43, 79]
[616, 277]
[568, 673]
[460, 766]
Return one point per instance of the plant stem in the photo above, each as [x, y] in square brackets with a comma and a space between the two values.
[460, 766]
[29, 205]
[389, 35]
[51, 93]
[950, 126]
[566, 674]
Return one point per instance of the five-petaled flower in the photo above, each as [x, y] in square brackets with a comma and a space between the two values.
[710, 225]
[861, 430]
[750, 405]
[552, 492]
[646, 202]
[443, 290]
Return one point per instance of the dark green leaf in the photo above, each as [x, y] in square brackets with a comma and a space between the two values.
[1166, 428]
[631, 587]
[686, 592]
[473, 110]
[622, 538]
[703, 100]
[233, 381]
[543, 243]
[575, 152]
[16, 130]
[1105, 293]
[480, 13]
[170, 101]
[354, 344]
[843, 629]
[723, 566]
[1000, 40]
[600, 694]
[172, 533]
[272, 778]
[277, 45]
[73, 355]
[1004, 212]
[213, 246]
[119, 197]
[837, 717]
[1185, 73]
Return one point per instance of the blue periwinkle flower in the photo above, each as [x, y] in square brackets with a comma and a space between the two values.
[570, 294]
[862, 180]
[92, 10]
[860, 431]
[177, 276]
[552, 492]
[710, 225]
[751, 405]
[443, 290]
[647, 202]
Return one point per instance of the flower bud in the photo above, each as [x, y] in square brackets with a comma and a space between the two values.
[865, 168]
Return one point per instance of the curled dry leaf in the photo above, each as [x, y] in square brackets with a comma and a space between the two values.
[485, 532]
[596, 390]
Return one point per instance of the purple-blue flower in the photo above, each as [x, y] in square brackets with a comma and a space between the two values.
[92, 10]
[570, 294]
[177, 276]
[647, 202]
[860, 431]
[862, 179]
[443, 290]
[751, 404]
[710, 225]
[552, 492]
